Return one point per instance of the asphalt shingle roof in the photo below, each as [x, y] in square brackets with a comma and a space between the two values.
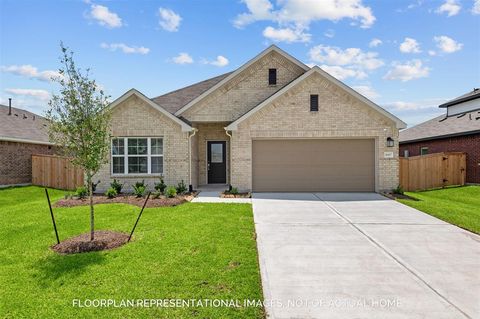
[443, 126]
[175, 100]
[22, 124]
[474, 94]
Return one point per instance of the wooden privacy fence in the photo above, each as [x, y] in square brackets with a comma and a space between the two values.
[55, 171]
[432, 171]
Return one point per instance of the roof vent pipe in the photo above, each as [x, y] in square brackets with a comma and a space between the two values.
[9, 106]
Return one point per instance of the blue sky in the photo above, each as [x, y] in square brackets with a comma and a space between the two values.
[407, 56]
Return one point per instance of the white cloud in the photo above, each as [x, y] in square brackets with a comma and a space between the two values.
[432, 53]
[407, 71]
[182, 58]
[125, 48]
[367, 91]
[296, 15]
[286, 35]
[35, 93]
[30, 71]
[330, 33]
[169, 20]
[410, 45]
[476, 7]
[220, 61]
[342, 73]
[104, 16]
[375, 43]
[450, 7]
[447, 45]
[350, 56]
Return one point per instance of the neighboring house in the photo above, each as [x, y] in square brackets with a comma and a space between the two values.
[456, 131]
[22, 134]
[274, 124]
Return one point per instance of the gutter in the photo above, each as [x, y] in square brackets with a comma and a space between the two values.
[23, 140]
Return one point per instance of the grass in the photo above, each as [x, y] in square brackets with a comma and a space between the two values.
[195, 250]
[456, 205]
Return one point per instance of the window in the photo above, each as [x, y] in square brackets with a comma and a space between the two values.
[137, 155]
[423, 150]
[272, 76]
[313, 102]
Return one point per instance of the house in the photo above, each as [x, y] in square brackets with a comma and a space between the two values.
[22, 134]
[458, 130]
[273, 124]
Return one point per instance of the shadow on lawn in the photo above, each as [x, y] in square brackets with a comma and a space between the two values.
[56, 267]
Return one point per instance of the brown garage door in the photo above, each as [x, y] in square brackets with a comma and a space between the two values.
[313, 165]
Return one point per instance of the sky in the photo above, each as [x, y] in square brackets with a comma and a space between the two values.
[406, 56]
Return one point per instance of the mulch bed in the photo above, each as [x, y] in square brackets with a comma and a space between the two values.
[162, 201]
[239, 195]
[103, 239]
[398, 196]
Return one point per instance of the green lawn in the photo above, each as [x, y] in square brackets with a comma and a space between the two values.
[456, 205]
[200, 251]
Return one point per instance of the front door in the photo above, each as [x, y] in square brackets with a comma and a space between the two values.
[217, 162]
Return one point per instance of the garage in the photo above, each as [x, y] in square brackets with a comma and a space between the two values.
[309, 165]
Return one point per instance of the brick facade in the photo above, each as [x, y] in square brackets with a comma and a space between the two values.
[16, 161]
[339, 116]
[135, 118]
[469, 144]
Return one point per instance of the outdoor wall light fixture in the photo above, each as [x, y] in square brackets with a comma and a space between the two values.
[390, 142]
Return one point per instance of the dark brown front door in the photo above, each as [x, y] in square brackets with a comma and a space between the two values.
[216, 162]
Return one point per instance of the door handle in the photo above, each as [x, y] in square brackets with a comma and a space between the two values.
[208, 166]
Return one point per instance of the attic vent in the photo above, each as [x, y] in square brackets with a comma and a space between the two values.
[313, 102]
[272, 76]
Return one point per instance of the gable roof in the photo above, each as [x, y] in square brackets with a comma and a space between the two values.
[238, 71]
[175, 100]
[399, 123]
[185, 127]
[23, 126]
[443, 126]
[475, 94]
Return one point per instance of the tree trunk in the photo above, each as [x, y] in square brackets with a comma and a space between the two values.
[92, 216]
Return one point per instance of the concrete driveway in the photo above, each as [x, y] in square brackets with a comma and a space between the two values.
[347, 255]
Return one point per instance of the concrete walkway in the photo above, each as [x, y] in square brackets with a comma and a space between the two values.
[346, 255]
[211, 194]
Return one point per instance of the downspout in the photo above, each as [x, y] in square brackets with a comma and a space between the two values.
[190, 186]
[229, 160]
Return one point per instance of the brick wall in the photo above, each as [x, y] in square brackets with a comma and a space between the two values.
[135, 118]
[469, 144]
[245, 91]
[339, 116]
[16, 161]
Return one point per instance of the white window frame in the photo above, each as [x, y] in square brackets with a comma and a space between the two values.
[422, 149]
[126, 156]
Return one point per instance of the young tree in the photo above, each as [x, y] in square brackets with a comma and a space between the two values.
[79, 121]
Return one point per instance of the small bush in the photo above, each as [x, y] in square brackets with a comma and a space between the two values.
[117, 186]
[234, 191]
[181, 188]
[139, 188]
[111, 192]
[160, 186]
[156, 194]
[81, 192]
[398, 190]
[171, 192]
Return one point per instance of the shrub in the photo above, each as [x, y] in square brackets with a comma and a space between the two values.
[234, 191]
[181, 188]
[81, 192]
[171, 192]
[117, 186]
[160, 186]
[398, 190]
[111, 192]
[156, 194]
[139, 188]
